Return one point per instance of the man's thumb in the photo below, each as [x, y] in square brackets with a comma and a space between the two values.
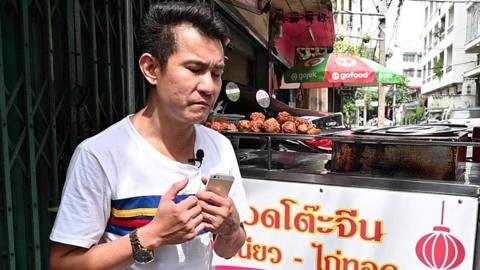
[174, 189]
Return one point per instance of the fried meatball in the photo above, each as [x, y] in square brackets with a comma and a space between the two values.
[303, 128]
[289, 128]
[283, 117]
[299, 121]
[218, 126]
[314, 131]
[257, 116]
[230, 127]
[244, 126]
[271, 126]
[256, 126]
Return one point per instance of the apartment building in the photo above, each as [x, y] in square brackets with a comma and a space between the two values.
[404, 43]
[472, 47]
[445, 60]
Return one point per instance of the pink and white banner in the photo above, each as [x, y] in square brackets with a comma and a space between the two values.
[306, 226]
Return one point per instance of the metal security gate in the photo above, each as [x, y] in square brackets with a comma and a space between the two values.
[66, 72]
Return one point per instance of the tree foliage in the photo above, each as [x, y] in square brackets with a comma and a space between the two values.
[347, 46]
[414, 117]
[402, 92]
[438, 68]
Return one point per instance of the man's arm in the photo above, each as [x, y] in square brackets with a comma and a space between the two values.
[227, 246]
[103, 256]
[221, 218]
[173, 224]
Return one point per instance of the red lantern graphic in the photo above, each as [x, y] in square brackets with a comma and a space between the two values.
[439, 249]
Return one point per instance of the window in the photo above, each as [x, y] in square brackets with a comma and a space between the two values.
[419, 73]
[449, 58]
[473, 23]
[409, 72]
[442, 22]
[464, 114]
[426, 15]
[409, 57]
[430, 37]
[419, 58]
[450, 19]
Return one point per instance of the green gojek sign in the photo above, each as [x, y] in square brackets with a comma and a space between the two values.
[312, 70]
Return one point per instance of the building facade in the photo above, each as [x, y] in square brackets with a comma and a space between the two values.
[444, 60]
[472, 47]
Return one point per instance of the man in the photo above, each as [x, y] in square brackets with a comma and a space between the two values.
[131, 199]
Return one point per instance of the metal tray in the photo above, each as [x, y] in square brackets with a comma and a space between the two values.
[273, 136]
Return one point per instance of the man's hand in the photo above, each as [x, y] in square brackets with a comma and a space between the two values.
[221, 218]
[219, 213]
[173, 223]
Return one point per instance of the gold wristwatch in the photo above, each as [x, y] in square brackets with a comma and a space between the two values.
[140, 253]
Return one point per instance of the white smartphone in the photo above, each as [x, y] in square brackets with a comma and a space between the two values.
[220, 184]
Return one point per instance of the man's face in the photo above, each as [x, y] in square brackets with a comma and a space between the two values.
[189, 85]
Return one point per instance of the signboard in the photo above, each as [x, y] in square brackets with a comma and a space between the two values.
[360, 102]
[374, 103]
[306, 226]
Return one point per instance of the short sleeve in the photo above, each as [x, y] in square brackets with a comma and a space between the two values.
[85, 205]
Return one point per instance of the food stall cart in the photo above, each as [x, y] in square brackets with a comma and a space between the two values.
[376, 202]
[373, 203]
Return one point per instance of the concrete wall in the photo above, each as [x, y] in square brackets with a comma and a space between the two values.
[463, 101]
[237, 68]
[257, 22]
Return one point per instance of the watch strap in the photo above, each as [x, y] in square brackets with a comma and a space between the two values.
[137, 249]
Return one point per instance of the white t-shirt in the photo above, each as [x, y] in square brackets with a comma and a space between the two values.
[114, 184]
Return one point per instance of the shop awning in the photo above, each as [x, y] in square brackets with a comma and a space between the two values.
[336, 70]
[304, 30]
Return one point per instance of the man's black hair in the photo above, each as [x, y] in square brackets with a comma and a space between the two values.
[157, 35]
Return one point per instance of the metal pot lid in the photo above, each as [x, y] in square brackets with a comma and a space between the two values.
[414, 130]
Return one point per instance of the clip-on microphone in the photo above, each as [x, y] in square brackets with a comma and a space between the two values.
[198, 157]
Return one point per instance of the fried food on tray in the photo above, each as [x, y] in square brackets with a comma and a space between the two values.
[289, 127]
[244, 126]
[314, 131]
[257, 116]
[299, 121]
[256, 126]
[303, 128]
[271, 126]
[231, 127]
[283, 117]
[218, 126]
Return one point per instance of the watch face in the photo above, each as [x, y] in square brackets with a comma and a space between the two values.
[143, 256]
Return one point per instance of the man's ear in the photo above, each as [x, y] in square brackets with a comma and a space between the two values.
[148, 65]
